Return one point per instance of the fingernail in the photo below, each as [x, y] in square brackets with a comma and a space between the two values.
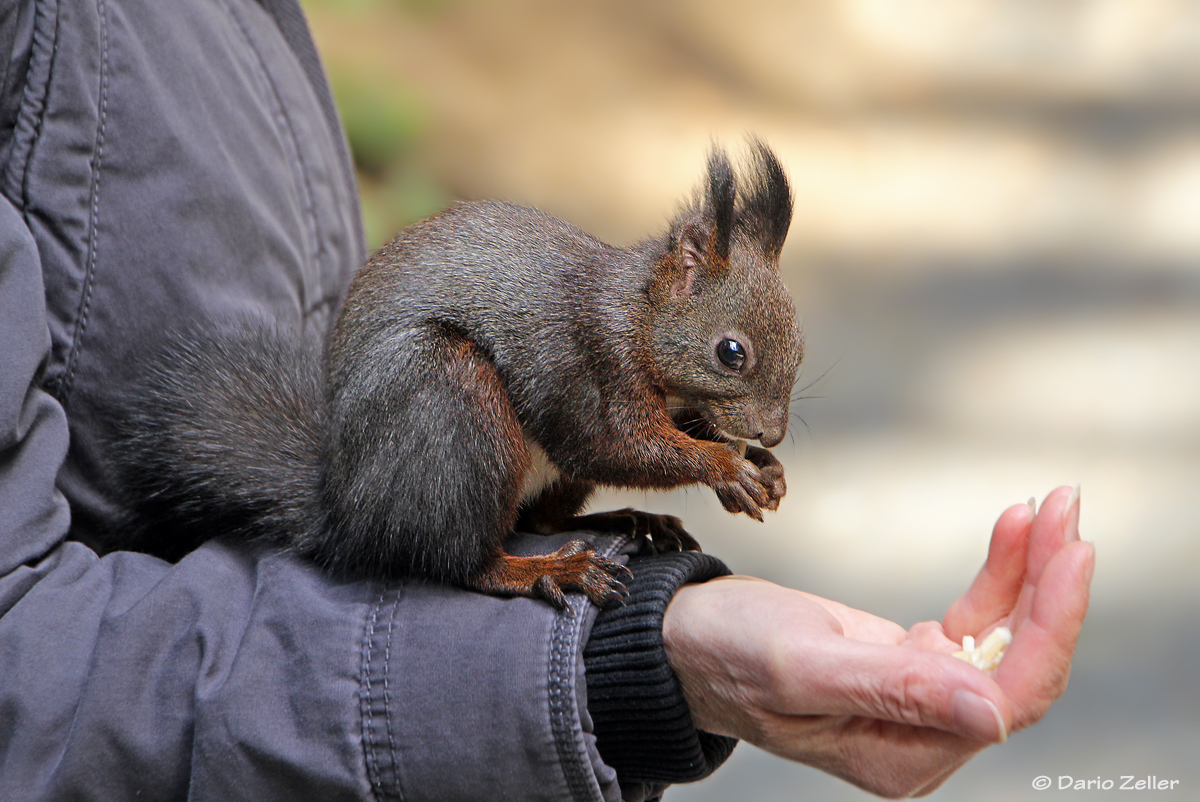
[1032, 505]
[1071, 516]
[978, 717]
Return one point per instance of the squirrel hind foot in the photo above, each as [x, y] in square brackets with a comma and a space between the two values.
[574, 567]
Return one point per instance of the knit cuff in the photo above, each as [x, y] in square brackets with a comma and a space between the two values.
[642, 724]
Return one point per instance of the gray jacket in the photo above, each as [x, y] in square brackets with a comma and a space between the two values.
[166, 159]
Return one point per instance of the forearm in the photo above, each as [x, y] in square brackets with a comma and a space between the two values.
[33, 428]
[245, 674]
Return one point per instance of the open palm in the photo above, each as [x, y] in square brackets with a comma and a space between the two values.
[861, 697]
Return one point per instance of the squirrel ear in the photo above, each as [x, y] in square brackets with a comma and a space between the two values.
[720, 199]
[701, 239]
[692, 256]
[760, 213]
[766, 211]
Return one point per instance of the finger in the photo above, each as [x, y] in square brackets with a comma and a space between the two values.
[996, 588]
[898, 684]
[953, 761]
[929, 635]
[1051, 529]
[1056, 524]
[1037, 664]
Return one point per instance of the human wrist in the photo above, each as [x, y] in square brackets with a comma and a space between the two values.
[715, 672]
[642, 723]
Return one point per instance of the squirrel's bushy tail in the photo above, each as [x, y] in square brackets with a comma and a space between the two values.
[222, 434]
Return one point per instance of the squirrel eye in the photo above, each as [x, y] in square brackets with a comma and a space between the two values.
[731, 353]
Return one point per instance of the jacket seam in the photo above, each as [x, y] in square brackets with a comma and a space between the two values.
[32, 114]
[85, 302]
[387, 693]
[291, 22]
[565, 652]
[372, 759]
[367, 717]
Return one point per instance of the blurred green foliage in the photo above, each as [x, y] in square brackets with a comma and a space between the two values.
[382, 122]
[386, 125]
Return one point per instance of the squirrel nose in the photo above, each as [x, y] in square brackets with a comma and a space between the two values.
[772, 437]
[773, 431]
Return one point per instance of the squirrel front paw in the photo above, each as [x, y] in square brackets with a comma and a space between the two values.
[755, 483]
[772, 473]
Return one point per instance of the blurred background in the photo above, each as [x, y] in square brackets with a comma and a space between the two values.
[995, 253]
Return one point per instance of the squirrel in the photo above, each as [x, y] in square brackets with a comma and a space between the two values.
[488, 368]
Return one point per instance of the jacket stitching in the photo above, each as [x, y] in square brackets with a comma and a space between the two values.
[372, 763]
[387, 693]
[383, 779]
[564, 713]
[291, 22]
[85, 303]
[561, 697]
[32, 114]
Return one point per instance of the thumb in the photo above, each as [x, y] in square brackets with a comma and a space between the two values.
[905, 685]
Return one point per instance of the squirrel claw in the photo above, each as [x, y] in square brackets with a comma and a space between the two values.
[576, 566]
[547, 590]
[735, 498]
[666, 532]
[549, 577]
[757, 484]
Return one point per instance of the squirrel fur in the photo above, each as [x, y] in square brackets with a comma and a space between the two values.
[488, 369]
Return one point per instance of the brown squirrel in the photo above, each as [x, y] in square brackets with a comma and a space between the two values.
[488, 369]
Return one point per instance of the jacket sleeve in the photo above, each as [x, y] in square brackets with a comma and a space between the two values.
[244, 674]
[641, 720]
[33, 429]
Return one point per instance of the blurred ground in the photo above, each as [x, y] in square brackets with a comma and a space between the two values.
[996, 254]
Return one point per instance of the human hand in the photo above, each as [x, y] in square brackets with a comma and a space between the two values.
[858, 696]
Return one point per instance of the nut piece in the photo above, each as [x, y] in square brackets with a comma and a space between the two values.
[989, 653]
[740, 447]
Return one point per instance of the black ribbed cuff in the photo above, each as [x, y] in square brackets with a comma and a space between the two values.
[643, 727]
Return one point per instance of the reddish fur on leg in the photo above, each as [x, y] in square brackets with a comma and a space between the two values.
[574, 567]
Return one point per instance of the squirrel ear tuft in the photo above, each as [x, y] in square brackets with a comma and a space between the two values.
[720, 200]
[701, 236]
[766, 208]
[758, 210]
